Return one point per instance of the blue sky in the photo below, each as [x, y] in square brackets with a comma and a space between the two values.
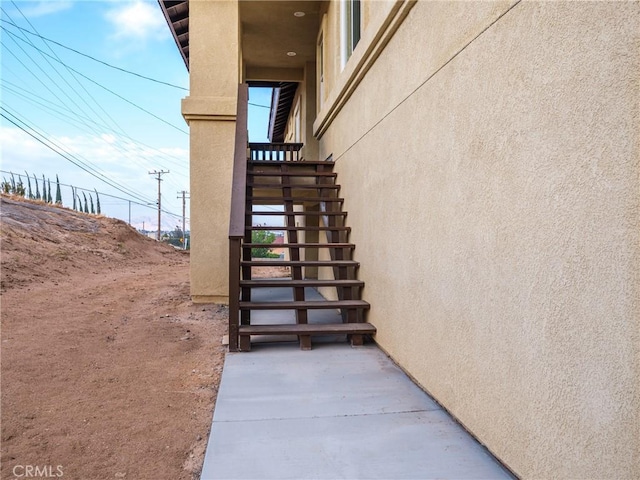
[63, 98]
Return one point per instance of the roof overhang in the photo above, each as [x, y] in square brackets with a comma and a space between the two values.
[278, 39]
[176, 12]
[281, 103]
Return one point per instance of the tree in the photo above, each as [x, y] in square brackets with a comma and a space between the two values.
[58, 193]
[10, 186]
[44, 189]
[20, 187]
[49, 199]
[37, 188]
[91, 200]
[29, 192]
[263, 237]
[97, 202]
[86, 205]
[73, 194]
[174, 237]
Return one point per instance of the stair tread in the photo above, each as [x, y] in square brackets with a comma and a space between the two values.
[289, 162]
[306, 214]
[300, 305]
[295, 199]
[308, 328]
[295, 186]
[300, 283]
[299, 263]
[297, 229]
[300, 245]
[293, 174]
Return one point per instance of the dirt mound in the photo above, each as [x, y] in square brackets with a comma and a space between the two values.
[42, 241]
[108, 369]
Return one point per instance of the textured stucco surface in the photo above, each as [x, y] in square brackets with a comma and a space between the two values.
[210, 111]
[492, 183]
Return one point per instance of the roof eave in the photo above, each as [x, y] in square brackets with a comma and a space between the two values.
[172, 21]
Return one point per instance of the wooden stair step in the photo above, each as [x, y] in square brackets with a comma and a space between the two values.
[294, 214]
[298, 245]
[309, 329]
[294, 174]
[307, 304]
[298, 229]
[268, 282]
[294, 199]
[290, 163]
[294, 186]
[299, 263]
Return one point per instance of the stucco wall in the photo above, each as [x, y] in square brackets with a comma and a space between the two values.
[210, 110]
[490, 165]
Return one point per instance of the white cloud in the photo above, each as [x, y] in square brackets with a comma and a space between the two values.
[47, 7]
[138, 20]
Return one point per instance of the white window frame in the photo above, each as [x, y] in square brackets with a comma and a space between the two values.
[350, 28]
[320, 65]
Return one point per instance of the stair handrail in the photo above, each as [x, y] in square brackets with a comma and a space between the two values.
[237, 214]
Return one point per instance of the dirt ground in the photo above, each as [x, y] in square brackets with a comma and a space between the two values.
[107, 368]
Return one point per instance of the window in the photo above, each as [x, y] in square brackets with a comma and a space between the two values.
[350, 28]
[320, 69]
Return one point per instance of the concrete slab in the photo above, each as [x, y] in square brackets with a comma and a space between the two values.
[333, 412]
[394, 446]
[330, 380]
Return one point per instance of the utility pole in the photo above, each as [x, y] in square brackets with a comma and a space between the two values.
[159, 178]
[184, 232]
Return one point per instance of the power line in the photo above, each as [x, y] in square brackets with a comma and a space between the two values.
[86, 162]
[33, 74]
[124, 149]
[67, 68]
[77, 114]
[113, 144]
[145, 205]
[134, 144]
[82, 162]
[96, 83]
[95, 59]
[68, 157]
[53, 82]
[258, 105]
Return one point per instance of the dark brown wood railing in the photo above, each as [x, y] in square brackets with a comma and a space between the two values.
[275, 152]
[237, 215]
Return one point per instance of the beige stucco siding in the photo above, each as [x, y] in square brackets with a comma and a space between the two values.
[210, 110]
[491, 172]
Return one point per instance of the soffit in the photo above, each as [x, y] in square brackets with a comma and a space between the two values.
[176, 13]
[270, 30]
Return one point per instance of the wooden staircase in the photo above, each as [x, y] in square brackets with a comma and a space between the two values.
[319, 252]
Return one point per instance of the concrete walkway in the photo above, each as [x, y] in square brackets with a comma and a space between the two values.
[333, 412]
